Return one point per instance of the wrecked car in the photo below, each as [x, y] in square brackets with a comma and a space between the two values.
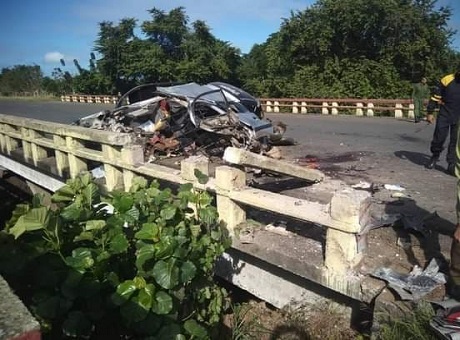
[187, 118]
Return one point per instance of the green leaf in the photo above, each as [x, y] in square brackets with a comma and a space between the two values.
[162, 304]
[166, 274]
[71, 212]
[123, 203]
[34, 219]
[145, 298]
[168, 212]
[123, 292]
[188, 271]
[195, 329]
[85, 179]
[76, 325]
[81, 259]
[208, 215]
[139, 282]
[170, 332]
[53, 307]
[144, 254]
[95, 224]
[149, 326]
[165, 247]
[149, 231]
[138, 183]
[64, 194]
[202, 178]
[91, 194]
[119, 244]
[84, 236]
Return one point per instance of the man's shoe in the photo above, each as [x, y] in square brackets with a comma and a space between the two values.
[417, 120]
[451, 169]
[431, 163]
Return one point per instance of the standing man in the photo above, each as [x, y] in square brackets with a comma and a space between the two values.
[446, 96]
[420, 92]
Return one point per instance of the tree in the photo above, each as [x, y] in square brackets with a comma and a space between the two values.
[21, 80]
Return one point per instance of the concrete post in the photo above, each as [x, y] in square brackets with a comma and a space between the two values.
[335, 110]
[268, 107]
[26, 147]
[190, 164]
[352, 208]
[295, 107]
[113, 175]
[276, 107]
[370, 110]
[38, 152]
[229, 179]
[62, 161]
[325, 110]
[411, 113]
[398, 110]
[359, 109]
[303, 108]
[134, 156]
[76, 164]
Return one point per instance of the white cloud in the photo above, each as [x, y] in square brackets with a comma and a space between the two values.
[53, 57]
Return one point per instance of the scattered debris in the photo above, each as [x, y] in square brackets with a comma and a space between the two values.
[446, 322]
[394, 187]
[98, 172]
[189, 118]
[414, 285]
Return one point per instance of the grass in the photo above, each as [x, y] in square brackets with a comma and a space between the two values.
[414, 326]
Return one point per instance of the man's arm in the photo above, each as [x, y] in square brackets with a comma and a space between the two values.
[457, 173]
[434, 102]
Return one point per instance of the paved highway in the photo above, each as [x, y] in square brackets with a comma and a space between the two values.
[380, 150]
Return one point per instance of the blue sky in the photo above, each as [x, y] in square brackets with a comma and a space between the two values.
[43, 31]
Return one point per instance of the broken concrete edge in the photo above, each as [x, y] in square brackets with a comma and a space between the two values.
[16, 322]
[352, 284]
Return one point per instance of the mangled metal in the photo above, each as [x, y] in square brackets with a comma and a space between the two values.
[416, 284]
[187, 118]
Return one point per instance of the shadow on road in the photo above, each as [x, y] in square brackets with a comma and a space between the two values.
[417, 158]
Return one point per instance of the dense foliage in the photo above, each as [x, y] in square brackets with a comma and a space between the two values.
[134, 264]
[334, 48]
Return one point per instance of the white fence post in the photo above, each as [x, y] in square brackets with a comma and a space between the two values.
[295, 107]
[411, 113]
[303, 108]
[268, 107]
[398, 110]
[335, 110]
[359, 109]
[277, 107]
[370, 110]
[325, 110]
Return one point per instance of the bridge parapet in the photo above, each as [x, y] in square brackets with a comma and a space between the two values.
[38, 150]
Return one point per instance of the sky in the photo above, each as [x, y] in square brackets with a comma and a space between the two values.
[41, 32]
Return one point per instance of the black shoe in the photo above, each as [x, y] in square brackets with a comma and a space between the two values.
[432, 162]
[417, 120]
[451, 169]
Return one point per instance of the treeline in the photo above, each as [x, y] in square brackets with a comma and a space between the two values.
[335, 48]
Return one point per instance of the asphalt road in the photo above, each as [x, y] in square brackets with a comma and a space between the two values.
[353, 149]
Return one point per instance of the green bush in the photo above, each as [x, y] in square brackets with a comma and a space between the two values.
[138, 263]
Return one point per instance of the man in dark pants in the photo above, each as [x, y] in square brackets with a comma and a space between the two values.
[446, 96]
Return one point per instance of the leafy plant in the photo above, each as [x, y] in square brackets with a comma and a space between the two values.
[141, 259]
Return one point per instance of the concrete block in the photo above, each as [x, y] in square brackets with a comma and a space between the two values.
[190, 164]
[351, 207]
[133, 155]
[16, 322]
[341, 251]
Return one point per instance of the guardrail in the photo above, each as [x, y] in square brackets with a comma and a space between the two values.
[397, 108]
[65, 151]
[89, 98]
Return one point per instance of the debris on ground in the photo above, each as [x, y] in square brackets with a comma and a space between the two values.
[394, 187]
[414, 285]
[446, 322]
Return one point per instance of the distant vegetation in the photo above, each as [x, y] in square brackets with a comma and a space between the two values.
[335, 48]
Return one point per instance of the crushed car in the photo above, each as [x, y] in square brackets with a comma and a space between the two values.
[189, 118]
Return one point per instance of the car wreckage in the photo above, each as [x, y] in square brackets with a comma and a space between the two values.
[188, 118]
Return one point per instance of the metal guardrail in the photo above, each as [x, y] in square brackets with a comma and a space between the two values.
[69, 150]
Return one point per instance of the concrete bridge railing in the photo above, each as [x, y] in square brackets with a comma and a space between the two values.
[48, 153]
[397, 108]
